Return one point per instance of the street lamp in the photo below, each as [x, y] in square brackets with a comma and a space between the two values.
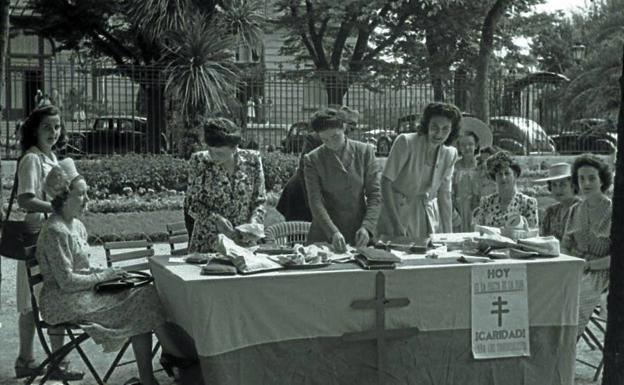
[578, 52]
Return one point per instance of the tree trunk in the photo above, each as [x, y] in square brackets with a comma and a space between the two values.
[337, 85]
[482, 97]
[156, 116]
[460, 87]
[4, 43]
[614, 339]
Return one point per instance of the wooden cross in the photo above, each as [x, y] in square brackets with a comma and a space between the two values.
[380, 333]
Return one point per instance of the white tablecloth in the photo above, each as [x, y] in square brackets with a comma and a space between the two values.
[223, 314]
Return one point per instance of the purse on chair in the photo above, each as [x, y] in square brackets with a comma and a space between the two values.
[17, 235]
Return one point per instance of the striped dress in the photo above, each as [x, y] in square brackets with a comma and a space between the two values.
[587, 236]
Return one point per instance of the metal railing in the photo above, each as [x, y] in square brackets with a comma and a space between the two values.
[109, 110]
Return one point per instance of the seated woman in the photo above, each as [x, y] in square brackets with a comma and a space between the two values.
[417, 178]
[564, 191]
[342, 182]
[507, 203]
[67, 294]
[588, 230]
[293, 202]
[225, 188]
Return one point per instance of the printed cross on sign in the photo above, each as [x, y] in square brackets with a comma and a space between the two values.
[499, 310]
[380, 333]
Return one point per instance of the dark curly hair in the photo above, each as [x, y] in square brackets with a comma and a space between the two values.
[446, 110]
[31, 125]
[591, 160]
[499, 161]
[574, 187]
[59, 199]
[326, 118]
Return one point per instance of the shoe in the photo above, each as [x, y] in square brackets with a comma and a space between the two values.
[169, 362]
[64, 373]
[26, 368]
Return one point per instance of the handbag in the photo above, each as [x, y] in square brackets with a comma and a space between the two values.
[133, 280]
[16, 235]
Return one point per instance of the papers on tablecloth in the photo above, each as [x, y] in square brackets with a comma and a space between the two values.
[245, 260]
[500, 311]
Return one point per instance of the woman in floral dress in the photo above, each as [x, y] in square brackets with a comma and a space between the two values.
[68, 293]
[507, 203]
[226, 186]
[588, 231]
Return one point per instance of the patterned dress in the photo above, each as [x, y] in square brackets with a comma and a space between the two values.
[555, 218]
[588, 236]
[238, 197]
[67, 294]
[490, 212]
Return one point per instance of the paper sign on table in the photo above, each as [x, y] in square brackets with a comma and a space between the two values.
[500, 312]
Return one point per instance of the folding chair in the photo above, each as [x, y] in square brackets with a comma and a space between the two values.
[177, 235]
[72, 331]
[144, 250]
[288, 233]
[594, 338]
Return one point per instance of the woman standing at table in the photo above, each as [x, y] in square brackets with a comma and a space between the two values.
[507, 203]
[588, 230]
[226, 186]
[564, 191]
[465, 177]
[342, 182]
[417, 178]
[293, 203]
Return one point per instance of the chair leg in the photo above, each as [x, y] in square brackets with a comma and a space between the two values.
[118, 358]
[599, 369]
[78, 340]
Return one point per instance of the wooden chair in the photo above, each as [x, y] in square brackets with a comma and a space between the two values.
[75, 334]
[177, 235]
[142, 250]
[288, 233]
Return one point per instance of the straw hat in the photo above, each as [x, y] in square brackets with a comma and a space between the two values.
[479, 128]
[557, 171]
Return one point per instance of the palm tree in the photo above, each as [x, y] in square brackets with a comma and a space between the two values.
[198, 39]
[594, 90]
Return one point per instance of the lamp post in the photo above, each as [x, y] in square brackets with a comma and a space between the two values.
[578, 52]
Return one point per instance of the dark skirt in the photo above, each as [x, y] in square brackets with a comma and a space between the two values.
[292, 203]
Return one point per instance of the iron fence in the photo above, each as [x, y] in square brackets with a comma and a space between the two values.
[107, 109]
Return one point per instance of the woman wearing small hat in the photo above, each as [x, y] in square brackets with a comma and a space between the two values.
[293, 203]
[564, 192]
[68, 293]
[465, 181]
[507, 204]
[226, 186]
[342, 182]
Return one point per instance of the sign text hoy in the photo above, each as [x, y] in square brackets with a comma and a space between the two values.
[500, 312]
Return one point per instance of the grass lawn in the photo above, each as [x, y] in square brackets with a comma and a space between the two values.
[137, 225]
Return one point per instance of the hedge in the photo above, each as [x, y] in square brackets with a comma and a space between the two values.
[125, 174]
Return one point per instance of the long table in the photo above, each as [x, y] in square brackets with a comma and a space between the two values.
[286, 327]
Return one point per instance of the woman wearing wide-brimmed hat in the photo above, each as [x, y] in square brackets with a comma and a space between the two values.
[466, 175]
[564, 192]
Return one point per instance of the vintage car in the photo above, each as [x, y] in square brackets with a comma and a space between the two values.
[113, 135]
[520, 136]
[593, 135]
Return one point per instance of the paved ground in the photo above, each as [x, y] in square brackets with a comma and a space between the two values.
[9, 340]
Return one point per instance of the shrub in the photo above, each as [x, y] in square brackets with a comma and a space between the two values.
[278, 168]
[130, 174]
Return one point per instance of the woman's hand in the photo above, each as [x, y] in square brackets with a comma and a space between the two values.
[224, 226]
[362, 237]
[338, 242]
